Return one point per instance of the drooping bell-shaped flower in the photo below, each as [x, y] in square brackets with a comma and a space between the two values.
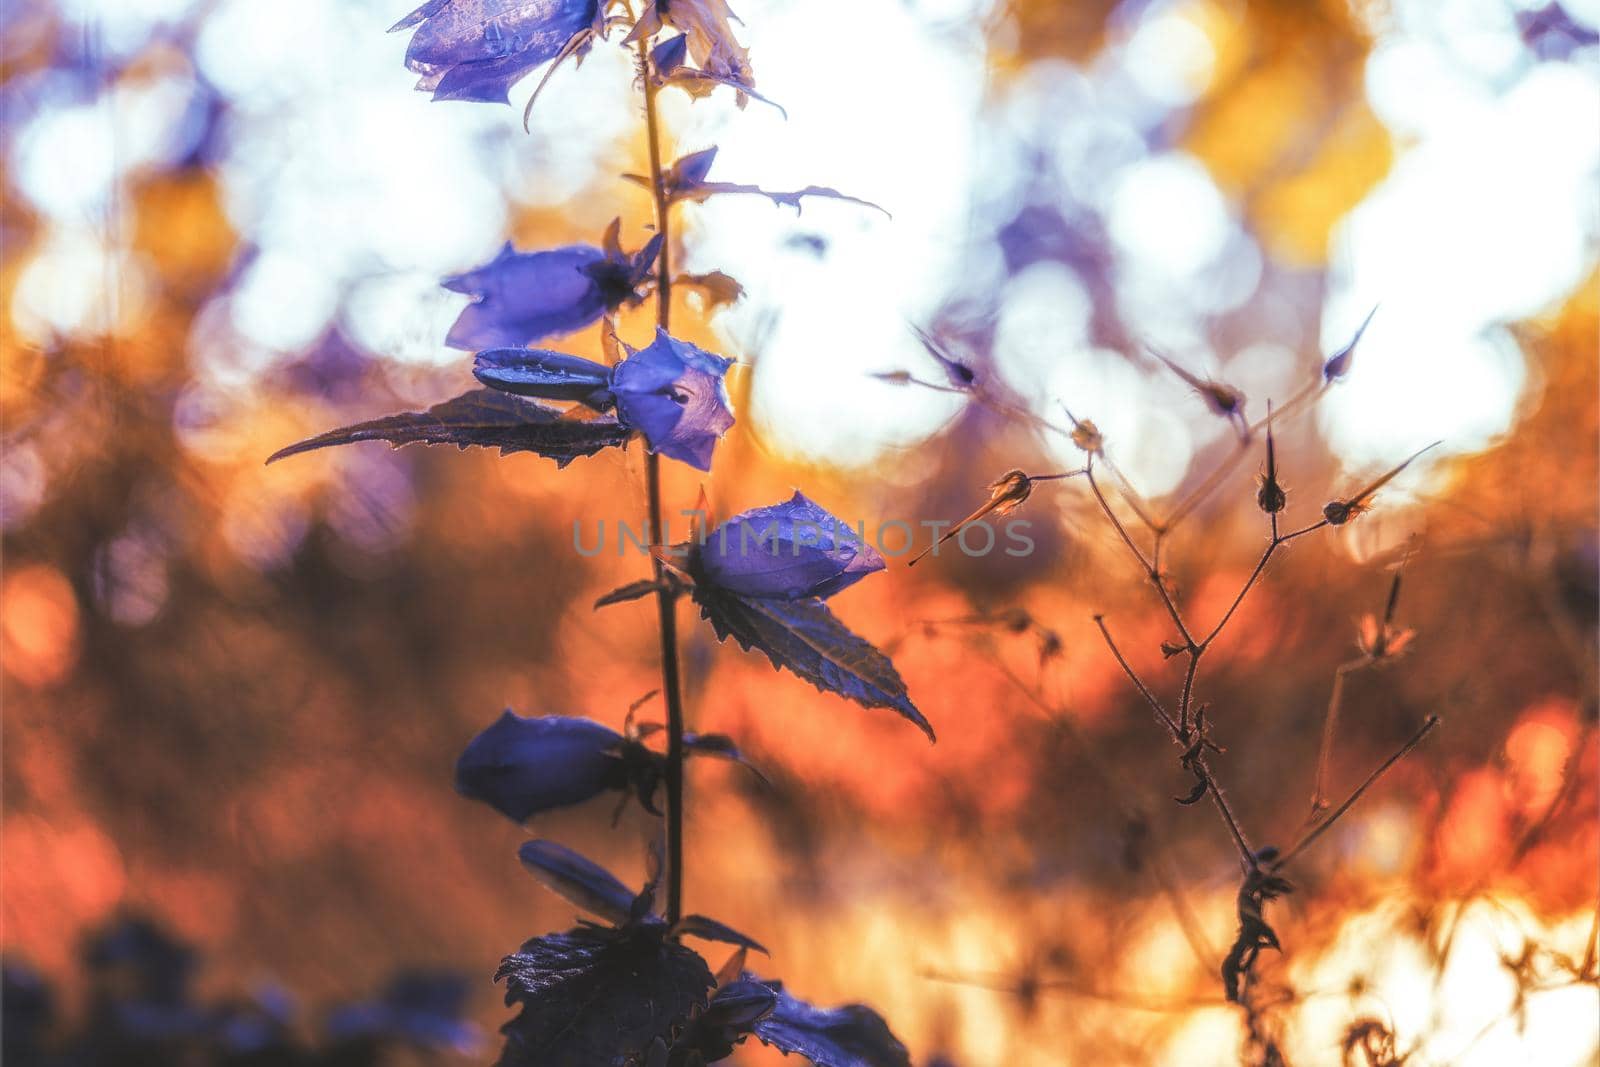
[670, 391]
[674, 394]
[786, 551]
[477, 49]
[520, 298]
[520, 766]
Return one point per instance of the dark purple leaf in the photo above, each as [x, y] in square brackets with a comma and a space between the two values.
[726, 1022]
[486, 418]
[711, 930]
[850, 1036]
[521, 766]
[802, 636]
[581, 881]
[721, 746]
[593, 997]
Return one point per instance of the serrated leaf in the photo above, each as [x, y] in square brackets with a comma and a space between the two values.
[714, 1033]
[582, 881]
[486, 418]
[803, 637]
[851, 1036]
[787, 197]
[723, 747]
[594, 996]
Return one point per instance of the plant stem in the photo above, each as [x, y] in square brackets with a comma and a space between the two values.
[666, 600]
[1330, 725]
[1144, 690]
[1323, 826]
[1149, 568]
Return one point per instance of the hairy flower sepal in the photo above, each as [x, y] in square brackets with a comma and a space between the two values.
[672, 392]
[477, 49]
[521, 766]
[520, 298]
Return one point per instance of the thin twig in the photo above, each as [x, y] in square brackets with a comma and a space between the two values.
[1330, 725]
[1150, 571]
[1323, 826]
[1186, 695]
[999, 983]
[1277, 541]
[1144, 690]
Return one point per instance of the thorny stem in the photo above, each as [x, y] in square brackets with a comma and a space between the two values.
[1323, 826]
[666, 613]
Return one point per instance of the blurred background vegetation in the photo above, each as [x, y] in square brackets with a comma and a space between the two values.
[233, 694]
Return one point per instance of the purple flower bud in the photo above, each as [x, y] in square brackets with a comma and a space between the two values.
[547, 375]
[523, 297]
[673, 393]
[689, 172]
[522, 766]
[477, 49]
[786, 551]
[1338, 365]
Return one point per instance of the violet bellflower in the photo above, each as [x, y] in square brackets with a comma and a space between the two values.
[520, 766]
[523, 297]
[786, 551]
[670, 391]
[675, 394]
[478, 49]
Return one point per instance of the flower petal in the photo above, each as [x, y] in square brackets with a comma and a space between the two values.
[523, 297]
